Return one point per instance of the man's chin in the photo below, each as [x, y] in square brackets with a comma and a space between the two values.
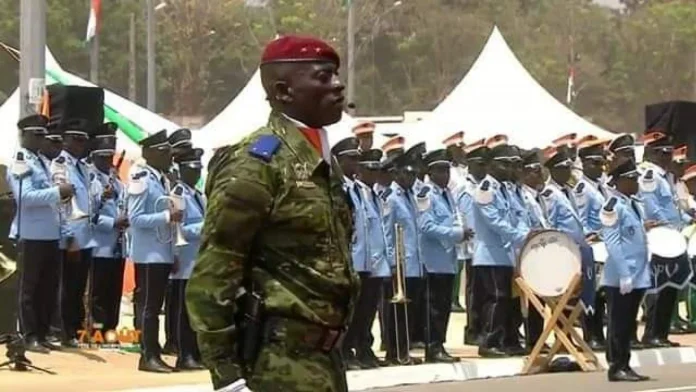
[332, 116]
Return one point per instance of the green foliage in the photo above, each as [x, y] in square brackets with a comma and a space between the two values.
[408, 57]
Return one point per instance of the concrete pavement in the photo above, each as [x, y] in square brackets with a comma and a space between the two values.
[677, 378]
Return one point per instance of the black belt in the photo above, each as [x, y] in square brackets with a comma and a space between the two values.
[302, 333]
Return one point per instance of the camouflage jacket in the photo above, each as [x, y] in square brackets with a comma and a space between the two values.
[284, 214]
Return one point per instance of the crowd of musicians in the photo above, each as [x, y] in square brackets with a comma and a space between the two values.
[76, 222]
[420, 217]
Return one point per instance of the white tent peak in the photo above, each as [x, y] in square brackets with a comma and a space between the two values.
[498, 95]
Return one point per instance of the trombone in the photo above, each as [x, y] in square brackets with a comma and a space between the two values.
[175, 200]
[59, 175]
[399, 286]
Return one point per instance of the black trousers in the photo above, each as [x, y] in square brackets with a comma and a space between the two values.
[38, 267]
[439, 300]
[417, 310]
[593, 324]
[533, 327]
[496, 284]
[169, 316]
[150, 287]
[107, 291]
[473, 304]
[359, 332]
[659, 309]
[183, 333]
[623, 312]
[74, 276]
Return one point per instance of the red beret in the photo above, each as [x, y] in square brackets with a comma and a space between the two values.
[291, 48]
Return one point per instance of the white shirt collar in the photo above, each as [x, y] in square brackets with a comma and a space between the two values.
[323, 136]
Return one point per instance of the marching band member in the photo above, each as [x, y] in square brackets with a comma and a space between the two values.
[347, 153]
[589, 195]
[109, 222]
[391, 148]
[622, 147]
[36, 230]
[364, 132]
[442, 230]
[180, 140]
[687, 205]
[400, 209]
[380, 271]
[152, 255]
[493, 259]
[454, 145]
[189, 167]
[476, 161]
[78, 241]
[532, 180]
[569, 142]
[657, 191]
[627, 270]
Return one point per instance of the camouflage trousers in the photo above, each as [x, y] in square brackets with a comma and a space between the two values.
[283, 367]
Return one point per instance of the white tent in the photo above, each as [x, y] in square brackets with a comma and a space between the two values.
[498, 95]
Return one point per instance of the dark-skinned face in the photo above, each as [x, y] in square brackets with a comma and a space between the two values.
[627, 153]
[385, 177]
[310, 92]
[190, 175]
[76, 145]
[627, 186]
[502, 170]
[51, 148]
[457, 154]
[691, 186]
[32, 141]
[560, 174]
[160, 158]
[369, 176]
[405, 178]
[593, 168]
[477, 169]
[103, 162]
[660, 157]
[349, 164]
[678, 168]
[440, 175]
[534, 177]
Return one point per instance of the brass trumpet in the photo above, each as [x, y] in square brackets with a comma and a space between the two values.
[59, 175]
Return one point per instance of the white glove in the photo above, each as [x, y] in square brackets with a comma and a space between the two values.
[625, 285]
[237, 386]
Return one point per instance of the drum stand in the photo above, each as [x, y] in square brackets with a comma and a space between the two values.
[555, 321]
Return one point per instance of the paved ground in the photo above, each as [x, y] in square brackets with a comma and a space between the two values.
[680, 378]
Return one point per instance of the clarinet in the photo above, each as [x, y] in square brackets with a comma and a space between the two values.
[118, 246]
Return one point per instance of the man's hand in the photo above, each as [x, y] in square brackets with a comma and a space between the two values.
[72, 249]
[66, 190]
[592, 237]
[468, 234]
[651, 224]
[176, 216]
[122, 222]
[108, 193]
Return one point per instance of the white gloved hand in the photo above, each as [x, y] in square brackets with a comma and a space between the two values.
[625, 285]
[237, 386]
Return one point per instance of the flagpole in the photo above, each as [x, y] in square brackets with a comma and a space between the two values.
[94, 59]
[32, 65]
[350, 88]
[151, 96]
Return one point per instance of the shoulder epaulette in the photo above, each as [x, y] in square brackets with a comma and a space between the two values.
[485, 185]
[547, 193]
[386, 194]
[649, 174]
[485, 194]
[611, 204]
[265, 147]
[580, 188]
[609, 215]
[423, 192]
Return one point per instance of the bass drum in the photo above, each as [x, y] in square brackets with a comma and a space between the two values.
[666, 242]
[548, 261]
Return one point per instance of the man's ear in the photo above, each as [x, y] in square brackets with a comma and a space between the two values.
[282, 91]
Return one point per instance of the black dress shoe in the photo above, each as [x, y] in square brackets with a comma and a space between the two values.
[69, 343]
[417, 345]
[170, 349]
[637, 345]
[471, 340]
[492, 352]
[188, 363]
[440, 356]
[655, 343]
[640, 377]
[352, 364]
[596, 345]
[623, 375]
[515, 351]
[49, 345]
[669, 343]
[457, 308]
[35, 346]
[51, 338]
[367, 359]
[154, 365]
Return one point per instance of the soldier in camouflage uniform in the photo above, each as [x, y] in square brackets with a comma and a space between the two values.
[276, 238]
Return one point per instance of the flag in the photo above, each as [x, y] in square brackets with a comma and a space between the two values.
[570, 94]
[94, 23]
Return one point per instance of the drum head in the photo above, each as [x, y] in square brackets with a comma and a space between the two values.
[600, 252]
[548, 262]
[666, 242]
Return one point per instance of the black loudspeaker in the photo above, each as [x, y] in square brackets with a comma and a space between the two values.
[75, 102]
[676, 118]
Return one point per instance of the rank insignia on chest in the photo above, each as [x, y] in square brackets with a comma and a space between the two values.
[302, 172]
[631, 231]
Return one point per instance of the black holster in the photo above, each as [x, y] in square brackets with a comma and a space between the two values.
[250, 324]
